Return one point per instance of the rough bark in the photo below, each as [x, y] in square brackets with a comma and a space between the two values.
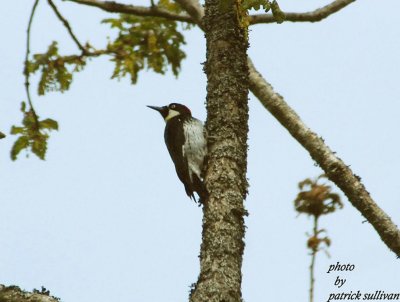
[15, 294]
[227, 126]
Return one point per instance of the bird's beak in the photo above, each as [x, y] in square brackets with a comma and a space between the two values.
[162, 110]
[159, 109]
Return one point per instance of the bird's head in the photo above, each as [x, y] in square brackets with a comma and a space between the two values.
[172, 110]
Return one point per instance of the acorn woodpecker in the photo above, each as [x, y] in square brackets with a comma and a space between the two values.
[186, 142]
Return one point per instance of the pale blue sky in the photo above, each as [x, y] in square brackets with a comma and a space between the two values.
[105, 218]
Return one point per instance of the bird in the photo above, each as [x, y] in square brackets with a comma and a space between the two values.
[186, 142]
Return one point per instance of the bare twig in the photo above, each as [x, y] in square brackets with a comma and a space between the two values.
[26, 63]
[313, 256]
[88, 54]
[194, 9]
[155, 11]
[67, 26]
[313, 16]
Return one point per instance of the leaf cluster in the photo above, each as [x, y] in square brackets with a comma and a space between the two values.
[314, 242]
[173, 7]
[316, 199]
[152, 43]
[56, 71]
[33, 134]
[266, 5]
[256, 5]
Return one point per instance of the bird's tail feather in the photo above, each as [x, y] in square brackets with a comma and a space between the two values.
[200, 189]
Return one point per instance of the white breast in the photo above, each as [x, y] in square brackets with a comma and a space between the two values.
[195, 148]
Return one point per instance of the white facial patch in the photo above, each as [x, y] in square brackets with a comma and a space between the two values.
[171, 114]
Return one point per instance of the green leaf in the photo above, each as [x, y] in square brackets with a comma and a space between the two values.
[17, 130]
[39, 146]
[267, 6]
[2, 135]
[30, 120]
[114, 23]
[48, 124]
[33, 134]
[169, 5]
[56, 70]
[21, 143]
[256, 4]
[277, 13]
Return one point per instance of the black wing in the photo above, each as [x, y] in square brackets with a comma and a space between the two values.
[175, 139]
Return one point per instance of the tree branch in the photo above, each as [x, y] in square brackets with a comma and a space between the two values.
[194, 9]
[313, 16]
[196, 12]
[26, 63]
[15, 294]
[88, 54]
[66, 24]
[153, 11]
[334, 167]
[336, 170]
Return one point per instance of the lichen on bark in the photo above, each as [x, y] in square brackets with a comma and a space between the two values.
[227, 127]
[13, 293]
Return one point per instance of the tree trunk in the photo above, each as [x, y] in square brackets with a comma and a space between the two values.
[227, 126]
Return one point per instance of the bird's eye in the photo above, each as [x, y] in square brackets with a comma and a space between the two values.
[173, 106]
